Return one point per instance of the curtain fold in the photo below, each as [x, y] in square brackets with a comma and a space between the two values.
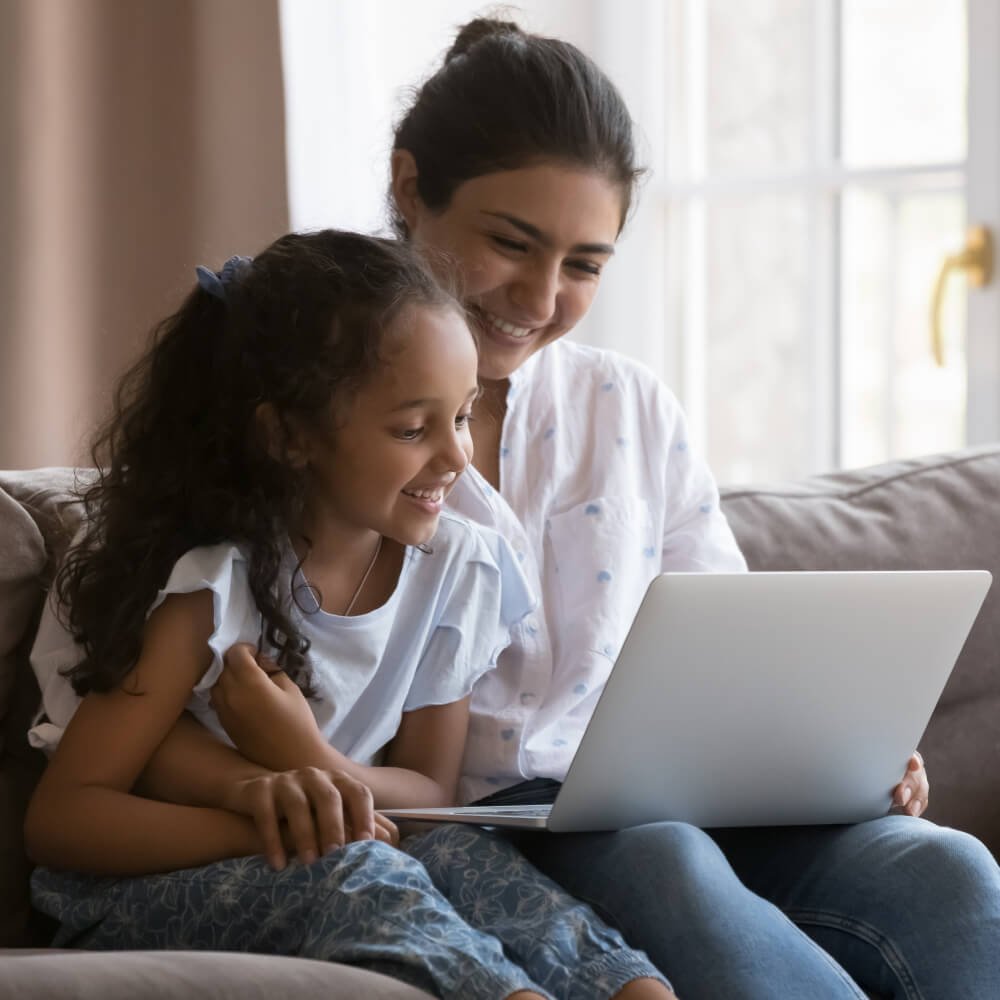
[139, 137]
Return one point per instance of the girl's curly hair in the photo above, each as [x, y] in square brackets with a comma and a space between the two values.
[182, 462]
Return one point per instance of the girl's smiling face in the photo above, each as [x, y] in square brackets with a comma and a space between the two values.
[403, 439]
[531, 244]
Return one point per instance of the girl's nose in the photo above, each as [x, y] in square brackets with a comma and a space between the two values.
[454, 456]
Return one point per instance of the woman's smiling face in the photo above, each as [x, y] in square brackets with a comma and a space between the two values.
[530, 243]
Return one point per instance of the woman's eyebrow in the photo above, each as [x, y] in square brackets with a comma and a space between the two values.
[539, 237]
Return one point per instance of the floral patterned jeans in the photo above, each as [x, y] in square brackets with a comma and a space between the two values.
[457, 912]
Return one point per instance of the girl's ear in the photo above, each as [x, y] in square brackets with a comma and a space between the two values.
[404, 186]
[280, 438]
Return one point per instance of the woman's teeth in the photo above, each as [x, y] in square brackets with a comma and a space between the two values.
[504, 327]
[433, 495]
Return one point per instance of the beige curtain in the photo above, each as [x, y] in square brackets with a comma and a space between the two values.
[137, 139]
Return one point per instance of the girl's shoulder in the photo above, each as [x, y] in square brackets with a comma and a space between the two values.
[220, 568]
[209, 562]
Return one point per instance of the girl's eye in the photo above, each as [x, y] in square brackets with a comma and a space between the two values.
[409, 433]
[508, 244]
[585, 266]
[463, 420]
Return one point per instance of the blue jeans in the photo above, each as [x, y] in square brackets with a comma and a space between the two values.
[369, 905]
[898, 906]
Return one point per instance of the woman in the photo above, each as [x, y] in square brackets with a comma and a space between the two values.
[516, 160]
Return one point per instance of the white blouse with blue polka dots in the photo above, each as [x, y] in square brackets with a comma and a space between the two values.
[600, 490]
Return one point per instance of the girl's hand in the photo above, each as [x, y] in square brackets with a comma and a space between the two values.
[912, 793]
[264, 713]
[308, 811]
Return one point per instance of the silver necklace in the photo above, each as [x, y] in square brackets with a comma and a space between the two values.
[364, 579]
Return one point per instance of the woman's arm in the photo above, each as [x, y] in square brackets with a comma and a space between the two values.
[270, 721]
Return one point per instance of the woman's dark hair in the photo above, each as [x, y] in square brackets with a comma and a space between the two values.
[506, 99]
[183, 461]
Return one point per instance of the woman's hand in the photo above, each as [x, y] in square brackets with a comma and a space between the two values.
[264, 712]
[912, 793]
[308, 811]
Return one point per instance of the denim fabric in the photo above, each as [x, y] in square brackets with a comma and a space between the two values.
[558, 940]
[898, 906]
[367, 905]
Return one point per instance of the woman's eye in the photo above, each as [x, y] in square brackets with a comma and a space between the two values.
[585, 266]
[508, 244]
[463, 420]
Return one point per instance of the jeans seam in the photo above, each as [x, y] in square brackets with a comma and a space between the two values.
[870, 935]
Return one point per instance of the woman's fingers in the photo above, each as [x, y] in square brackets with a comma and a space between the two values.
[296, 808]
[913, 792]
[386, 830]
[359, 806]
[265, 817]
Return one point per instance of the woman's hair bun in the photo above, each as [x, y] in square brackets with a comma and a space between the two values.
[475, 31]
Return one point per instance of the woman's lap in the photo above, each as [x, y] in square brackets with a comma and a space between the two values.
[874, 895]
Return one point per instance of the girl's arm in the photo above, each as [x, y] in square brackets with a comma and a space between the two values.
[83, 815]
[270, 721]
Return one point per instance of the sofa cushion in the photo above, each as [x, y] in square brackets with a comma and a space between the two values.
[189, 975]
[938, 512]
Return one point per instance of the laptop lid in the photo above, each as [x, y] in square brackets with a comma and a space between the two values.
[768, 698]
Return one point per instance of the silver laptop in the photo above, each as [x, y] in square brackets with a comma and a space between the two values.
[759, 699]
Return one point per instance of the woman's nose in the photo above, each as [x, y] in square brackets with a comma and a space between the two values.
[535, 291]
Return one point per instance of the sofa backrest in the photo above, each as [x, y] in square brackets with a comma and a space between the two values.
[37, 519]
[937, 512]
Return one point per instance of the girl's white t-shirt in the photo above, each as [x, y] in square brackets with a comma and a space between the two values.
[443, 627]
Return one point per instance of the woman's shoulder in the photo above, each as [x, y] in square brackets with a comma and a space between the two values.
[597, 370]
[579, 381]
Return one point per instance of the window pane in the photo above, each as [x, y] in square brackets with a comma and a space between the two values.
[904, 78]
[759, 353]
[759, 85]
[895, 399]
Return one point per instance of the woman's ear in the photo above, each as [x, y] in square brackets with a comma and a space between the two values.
[404, 186]
[280, 438]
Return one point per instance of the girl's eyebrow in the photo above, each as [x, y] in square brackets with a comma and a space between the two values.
[539, 237]
[415, 404]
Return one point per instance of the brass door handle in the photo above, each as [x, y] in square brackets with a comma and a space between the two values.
[976, 260]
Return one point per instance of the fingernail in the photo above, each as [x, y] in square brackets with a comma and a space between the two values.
[905, 795]
[278, 864]
[308, 857]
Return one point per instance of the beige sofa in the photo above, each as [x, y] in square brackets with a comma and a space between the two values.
[935, 512]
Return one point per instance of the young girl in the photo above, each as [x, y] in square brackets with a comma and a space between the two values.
[275, 473]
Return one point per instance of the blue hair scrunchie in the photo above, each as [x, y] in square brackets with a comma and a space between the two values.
[215, 283]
